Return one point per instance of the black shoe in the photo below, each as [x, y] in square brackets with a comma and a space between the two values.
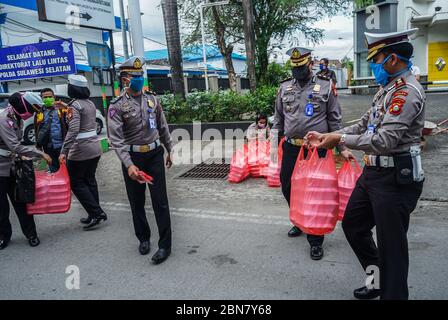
[294, 232]
[85, 220]
[95, 221]
[365, 293]
[144, 247]
[316, 252]
[3, 244]
[34, 241]
[161, 255]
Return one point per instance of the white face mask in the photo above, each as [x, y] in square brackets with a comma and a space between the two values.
[261, 126]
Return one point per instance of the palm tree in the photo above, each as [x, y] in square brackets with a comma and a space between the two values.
[171, 22]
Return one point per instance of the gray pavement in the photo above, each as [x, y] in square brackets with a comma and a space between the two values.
[229, 242]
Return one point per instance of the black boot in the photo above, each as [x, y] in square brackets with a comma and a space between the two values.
[365, 293]
[95, 221]
[85, 220]
[316, 252]
[144, 247]
[3, 244]
[161, 255]
[34, 241]
[294, 232]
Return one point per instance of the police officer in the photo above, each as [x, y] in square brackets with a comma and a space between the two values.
[304, 102]
[82, 150]
[325, 71]
[392, 181]
[21, 107]
[137, 128]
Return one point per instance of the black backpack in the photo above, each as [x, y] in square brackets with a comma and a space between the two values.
[43, 136]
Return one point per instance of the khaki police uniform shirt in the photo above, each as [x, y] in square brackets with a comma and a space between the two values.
[129, 123]
[292, 100]
[10, 137]
[394, 122]
[81, 118]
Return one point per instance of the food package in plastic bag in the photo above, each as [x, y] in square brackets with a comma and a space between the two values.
[53, 192]
[273, 174]
[314, 193]
[239, 167]
[252, 155]
[347, 177]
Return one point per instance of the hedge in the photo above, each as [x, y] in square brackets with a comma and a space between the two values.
[218, 106]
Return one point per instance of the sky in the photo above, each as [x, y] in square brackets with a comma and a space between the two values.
[337, 41]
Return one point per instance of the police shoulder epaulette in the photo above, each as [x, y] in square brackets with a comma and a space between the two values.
[287, 79]
[150, 92]
[116, 99]
[323, 77]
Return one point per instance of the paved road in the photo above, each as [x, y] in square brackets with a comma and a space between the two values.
[229, 243]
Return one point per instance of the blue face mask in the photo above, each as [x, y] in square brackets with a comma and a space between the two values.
[382, 76]
[137, 83]
[322, 67]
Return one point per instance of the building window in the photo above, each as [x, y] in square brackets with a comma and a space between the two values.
[364, 70]
[106, 77]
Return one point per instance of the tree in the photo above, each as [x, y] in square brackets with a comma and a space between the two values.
[223, 28]
[172, 34]
[249, 37]
[281, 20]
[275, 22]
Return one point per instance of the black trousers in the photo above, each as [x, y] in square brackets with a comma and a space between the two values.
[290, 155]
[153, 164]
[54, 154]
[378, 200]
[7, 185]
[84, 185]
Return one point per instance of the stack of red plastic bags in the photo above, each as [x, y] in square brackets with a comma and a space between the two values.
[319, 194]
[255, 160]
[53, 192]
[239, 167]
[273, 174]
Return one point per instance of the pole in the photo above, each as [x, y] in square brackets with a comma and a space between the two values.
[204, 51]
[249, 36]
[114, 81]
[124, 32]
[135, 21]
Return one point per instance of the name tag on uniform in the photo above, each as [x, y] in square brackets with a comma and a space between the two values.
[152, 123]
[370, 129]
[309, 110]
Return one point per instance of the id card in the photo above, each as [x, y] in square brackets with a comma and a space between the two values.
[370, 129]
[152, 123]
[309, 110]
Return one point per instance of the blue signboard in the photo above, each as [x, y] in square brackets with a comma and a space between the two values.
[37, 60]
[98, 55]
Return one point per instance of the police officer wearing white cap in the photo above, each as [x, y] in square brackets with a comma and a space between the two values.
[82, 150]
[392, 181]
[137, 130]
[21, 106]
[304, 102]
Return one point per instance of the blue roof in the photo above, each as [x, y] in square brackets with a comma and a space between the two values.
[32, 5]
[188, 54]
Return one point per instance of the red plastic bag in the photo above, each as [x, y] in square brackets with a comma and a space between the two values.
[314, 193]
[252, 160]
[53, 192]
[347, 177]
[258, 157]
[239, 168]
[144, 177]
[273, 174]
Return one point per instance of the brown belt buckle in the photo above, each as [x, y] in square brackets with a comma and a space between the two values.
[144, 148]
[366, 160]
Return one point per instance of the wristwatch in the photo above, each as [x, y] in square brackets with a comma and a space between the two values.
[342, 141]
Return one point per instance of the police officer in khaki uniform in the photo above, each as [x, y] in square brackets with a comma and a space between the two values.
[21, 106]
[304, 102]
[391, 183]
[83, 151]
[137, 129]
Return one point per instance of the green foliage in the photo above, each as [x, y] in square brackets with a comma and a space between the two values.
[276, 73]
[360, 4]
[218, 106]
